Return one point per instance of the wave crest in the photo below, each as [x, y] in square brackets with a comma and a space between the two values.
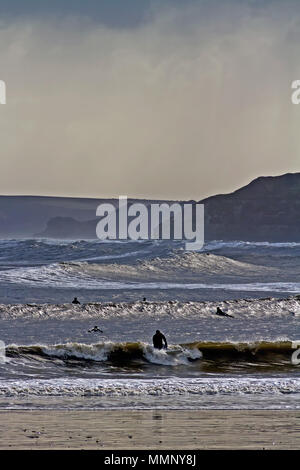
[183, 354]
[109, 351]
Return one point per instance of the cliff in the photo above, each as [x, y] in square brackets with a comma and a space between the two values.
[267, 209]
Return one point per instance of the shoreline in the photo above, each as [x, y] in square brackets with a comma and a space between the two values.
[150, 429]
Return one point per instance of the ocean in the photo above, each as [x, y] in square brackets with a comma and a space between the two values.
[243, 361]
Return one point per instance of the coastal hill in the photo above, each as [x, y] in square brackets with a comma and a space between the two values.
[266, 209]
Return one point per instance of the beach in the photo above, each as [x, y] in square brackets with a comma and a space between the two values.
[151, 429]
[223, 382]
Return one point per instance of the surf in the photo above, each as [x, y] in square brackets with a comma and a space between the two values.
[267, 352]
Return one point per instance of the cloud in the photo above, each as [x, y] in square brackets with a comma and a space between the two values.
[193, 102]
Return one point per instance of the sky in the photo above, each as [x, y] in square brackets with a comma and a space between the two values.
[149, 99]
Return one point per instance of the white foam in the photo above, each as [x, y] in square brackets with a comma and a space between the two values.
[153, 387]
[242, 308]
[172, 357]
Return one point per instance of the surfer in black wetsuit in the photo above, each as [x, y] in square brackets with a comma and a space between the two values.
[221, 313]
[95, 329]
[159, 339]
[75, 301]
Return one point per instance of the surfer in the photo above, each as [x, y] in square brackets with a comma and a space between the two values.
[159, 339]
[221, 313]
[95, 329]
[75, 301]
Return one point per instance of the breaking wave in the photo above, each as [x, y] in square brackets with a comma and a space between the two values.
[162, 273]
[109, 351]
[241, 308]
[183, 354]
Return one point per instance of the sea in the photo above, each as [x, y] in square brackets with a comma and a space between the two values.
[130, 289]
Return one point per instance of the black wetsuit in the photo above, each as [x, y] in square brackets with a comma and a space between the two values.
[158, 340]
[95, 329]
[221, 313]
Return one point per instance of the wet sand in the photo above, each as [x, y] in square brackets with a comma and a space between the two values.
[151, 429]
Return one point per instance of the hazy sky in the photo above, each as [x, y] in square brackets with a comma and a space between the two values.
[175, 99]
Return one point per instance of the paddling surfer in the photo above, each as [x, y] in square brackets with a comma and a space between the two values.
[96, 329]
[222, 314]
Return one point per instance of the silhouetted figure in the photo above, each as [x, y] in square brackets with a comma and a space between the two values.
[158, 340]
[95, 329]
[144, 299]
[75, 301]
[221, 313]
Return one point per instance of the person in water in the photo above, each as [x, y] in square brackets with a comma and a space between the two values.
[75, 301]
[95, 329]
[221, 313]
[159, 339]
